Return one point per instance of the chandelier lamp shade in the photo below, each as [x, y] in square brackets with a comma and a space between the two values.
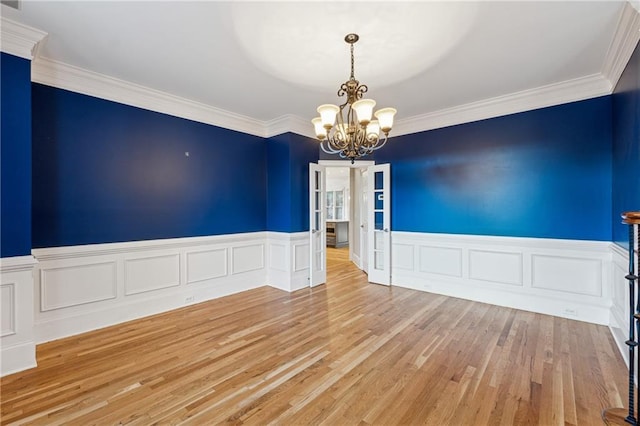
[349, 129]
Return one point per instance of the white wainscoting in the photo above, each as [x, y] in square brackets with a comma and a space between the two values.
[18, 347]
[566, 278]
[83, 288]
[619, 316]
[288, 260]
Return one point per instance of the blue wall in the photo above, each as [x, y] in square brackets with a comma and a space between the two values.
[278, 184]
[15, 156]
[626, 147]
[288, 158]
[106, 172]
[544, 173]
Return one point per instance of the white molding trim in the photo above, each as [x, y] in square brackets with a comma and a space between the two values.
[623, 44]
[16, 358]
[17, 263]
[69, 77]
[574, 90]
[64, 76]
[572, 281]
[289, 123]
[17, 344]
[19, 39]
[64, 252]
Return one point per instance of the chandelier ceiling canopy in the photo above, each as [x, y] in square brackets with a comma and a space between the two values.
[348, 129]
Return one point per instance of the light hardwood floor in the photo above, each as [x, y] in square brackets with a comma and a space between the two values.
[345, 353]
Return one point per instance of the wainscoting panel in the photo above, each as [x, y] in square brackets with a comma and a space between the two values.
[17, 343]
[562, 273]
[75, 285]
[206, 265]
[247, 258]
[7, 309]
[151, 273]
[565, 278]
[438, 260]
[403, 255]
[278, 257]
[82, 288]
[495, 266]
[300, 257]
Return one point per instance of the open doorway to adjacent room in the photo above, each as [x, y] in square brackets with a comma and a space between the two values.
[346, 214]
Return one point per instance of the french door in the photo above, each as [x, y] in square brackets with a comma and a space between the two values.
[379, 224]
[317, 227]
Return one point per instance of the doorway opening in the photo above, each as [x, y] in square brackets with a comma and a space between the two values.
[346, 213]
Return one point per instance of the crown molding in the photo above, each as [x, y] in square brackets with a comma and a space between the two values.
[623, 44]
[64, 76]
[553, 94]
[289, 123]
[18, 39]
[58, 74]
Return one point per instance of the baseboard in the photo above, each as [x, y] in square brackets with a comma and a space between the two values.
[565, 278]
[17, 358]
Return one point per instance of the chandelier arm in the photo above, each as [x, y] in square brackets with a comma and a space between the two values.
[331, 146]
[380, 145]
[336, 143]
[328, 149]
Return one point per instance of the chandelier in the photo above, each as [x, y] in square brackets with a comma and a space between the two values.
[355, 134]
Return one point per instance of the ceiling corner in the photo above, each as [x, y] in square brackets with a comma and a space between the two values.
[623, 44]
[18, 39]
[288, 123]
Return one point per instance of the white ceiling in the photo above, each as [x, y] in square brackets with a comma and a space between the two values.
[266, 60]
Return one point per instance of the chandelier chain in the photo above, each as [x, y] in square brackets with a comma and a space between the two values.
[352, 63]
